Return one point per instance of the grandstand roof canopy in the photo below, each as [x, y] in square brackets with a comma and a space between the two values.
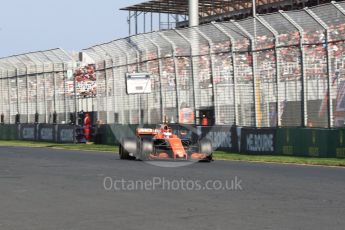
[206, 7]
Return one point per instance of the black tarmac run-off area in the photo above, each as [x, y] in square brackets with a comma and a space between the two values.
[60, 189]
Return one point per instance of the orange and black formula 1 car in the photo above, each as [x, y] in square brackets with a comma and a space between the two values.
[162, 144]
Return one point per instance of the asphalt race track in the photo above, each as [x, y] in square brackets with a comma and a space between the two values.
[59, 189]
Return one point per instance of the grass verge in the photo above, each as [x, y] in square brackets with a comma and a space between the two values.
[83, 147]
[218, 155]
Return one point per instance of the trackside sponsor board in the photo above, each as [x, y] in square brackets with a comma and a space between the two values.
[257, 141]
[27, 132]
[311, 142]
[46, 132]
[222, 137]
[66, 134]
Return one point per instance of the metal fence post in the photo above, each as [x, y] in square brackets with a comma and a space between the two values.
[44, 90]
[232, 51]
[137, 62]
[27, 96]
[210, 44]
[45, 96]
[27, 83]
[329, 77]
[160, 74]
[173, 47]
[127, 66]
[54, 95]
[17, 91]
[192, 71]
[36, 104]
[1, 92]
[138, 66]
[112, 72]
[106, 92]
[114, 98]
[54, 83]
[304, 86]
[1, 96]
[277, 57]
[147, 68]
[65, 90]
[253, 52]
[9, 97]
[338, 7]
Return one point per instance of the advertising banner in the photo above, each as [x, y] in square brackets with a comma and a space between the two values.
[46, 132]
[8, 132]
[222, 137]
[28, 132]
[257, 141]
[66, 134]
[310, 142]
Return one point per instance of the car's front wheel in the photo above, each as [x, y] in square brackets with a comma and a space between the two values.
[128, 147]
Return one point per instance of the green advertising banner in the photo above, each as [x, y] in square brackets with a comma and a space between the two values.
[339, 142]
[311, 142]
[8, 132]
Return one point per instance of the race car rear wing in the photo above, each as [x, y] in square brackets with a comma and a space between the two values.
[146, 131]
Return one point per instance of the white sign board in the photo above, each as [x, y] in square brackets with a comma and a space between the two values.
[138, 83]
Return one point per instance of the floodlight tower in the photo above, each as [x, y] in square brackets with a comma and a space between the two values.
[193, 13]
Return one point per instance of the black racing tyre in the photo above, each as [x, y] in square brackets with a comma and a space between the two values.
[146, 148]
[205, 146]
[127, 147]
[121, 152]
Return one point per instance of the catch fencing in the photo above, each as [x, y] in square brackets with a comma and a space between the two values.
[276, 70]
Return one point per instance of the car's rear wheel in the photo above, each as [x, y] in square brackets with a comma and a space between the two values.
[128, 147]
[146, 148]
[205, 146]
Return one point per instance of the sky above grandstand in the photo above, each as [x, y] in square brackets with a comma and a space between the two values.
[33, 25]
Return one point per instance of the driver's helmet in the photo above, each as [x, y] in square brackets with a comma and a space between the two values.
[167, 132]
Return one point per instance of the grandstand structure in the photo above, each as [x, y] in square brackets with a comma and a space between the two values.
[277, 69]
[175, 13]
